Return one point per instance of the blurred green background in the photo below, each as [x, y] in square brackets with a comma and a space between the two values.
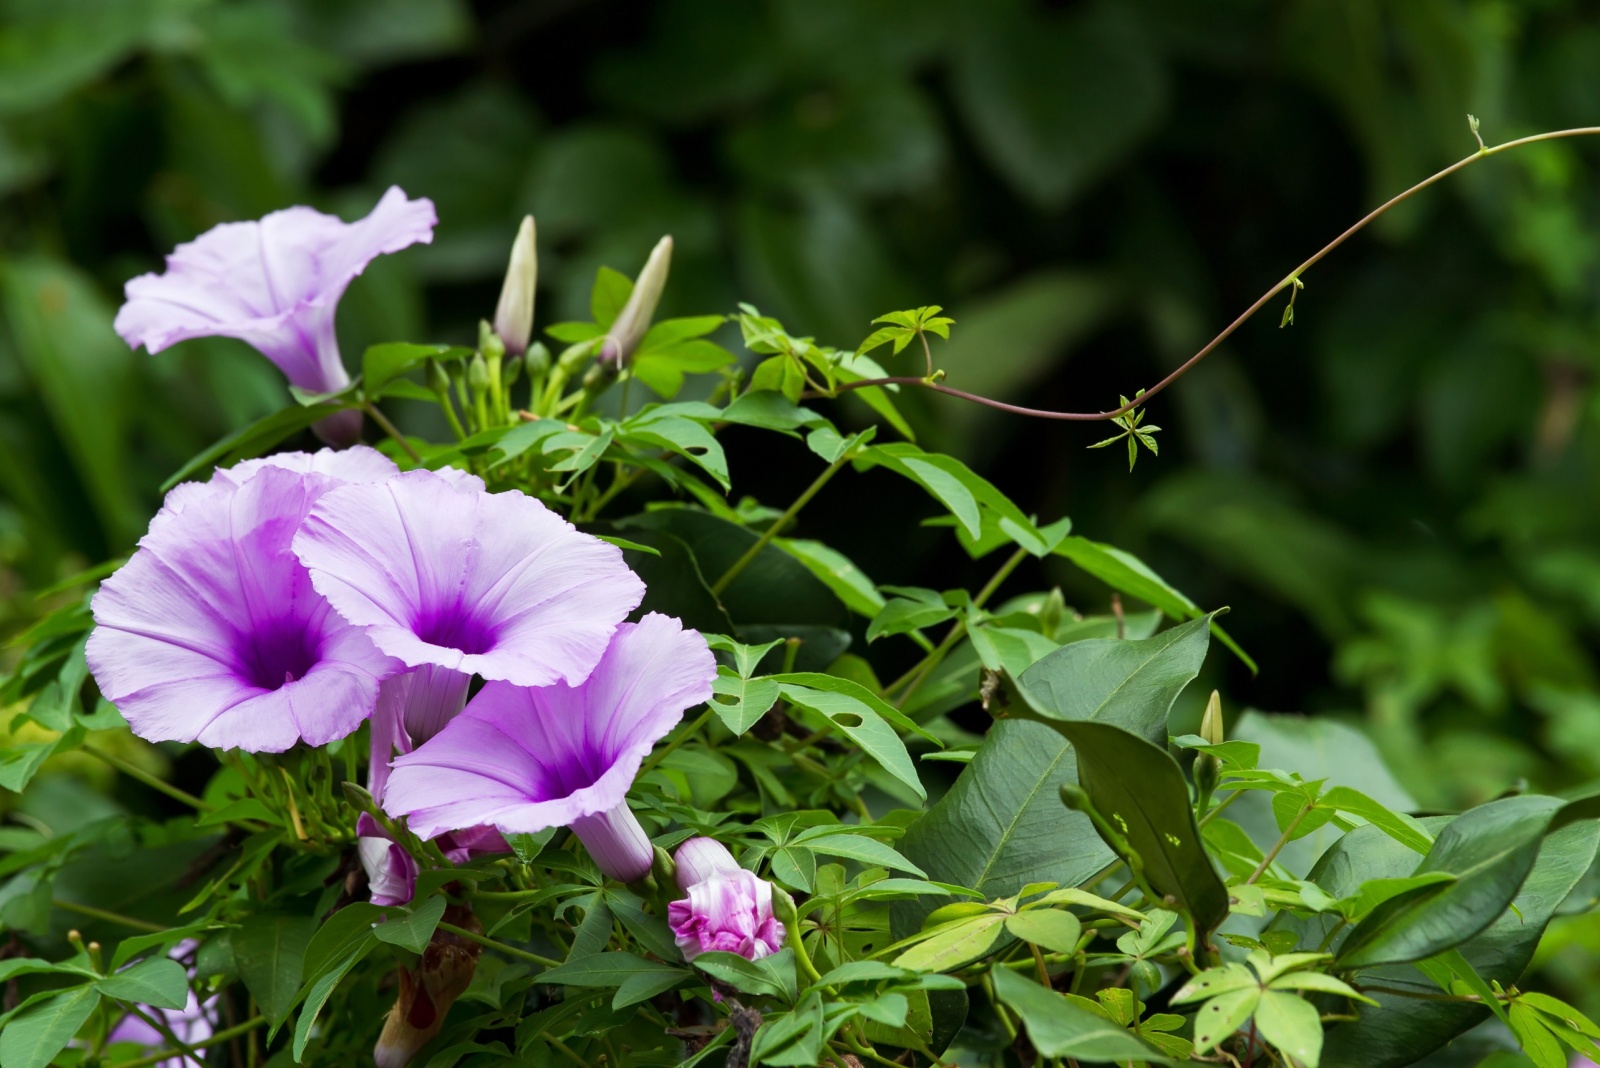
[1398, 494]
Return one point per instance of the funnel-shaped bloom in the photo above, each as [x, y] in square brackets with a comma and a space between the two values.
[276, 284]
[358, 463]
[212, 632]
[440, 573]
[522, 759]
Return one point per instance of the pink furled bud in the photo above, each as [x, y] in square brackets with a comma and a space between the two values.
[699, 859]
[633, 321]
[729, 912]
[513, 317]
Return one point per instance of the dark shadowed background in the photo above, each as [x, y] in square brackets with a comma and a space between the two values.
[1397, 494]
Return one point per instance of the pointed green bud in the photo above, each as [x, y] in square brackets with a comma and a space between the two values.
[1207, 768]
[537, 359]
[511, 371]
[1211, 727]
[513, 316]
[478, 374]
[783, 909]
[489, 342]
[438, 377]
[633, 321]
[1075, 797]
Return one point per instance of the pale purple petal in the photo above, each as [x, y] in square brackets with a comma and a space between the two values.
[440, 573]
[212, 631]
[699, 859]
[275, 283]
[730, 912]
[412, 707]
[359, 463]
[617, 842]
[523, 759]
[391, 871]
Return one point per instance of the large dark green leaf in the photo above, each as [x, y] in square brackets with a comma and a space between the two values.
[1140, 789]
[157, 981]
[271, 951]
[1490, 851]
[32, 1039]
[1403, 1029]
[1002, 825]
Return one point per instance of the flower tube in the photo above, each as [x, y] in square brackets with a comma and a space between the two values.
[212, 631]
[275, 284]
[728, 909]
[439, 573]
[522, 759]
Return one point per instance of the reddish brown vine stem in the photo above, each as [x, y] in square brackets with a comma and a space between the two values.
[1184, 368]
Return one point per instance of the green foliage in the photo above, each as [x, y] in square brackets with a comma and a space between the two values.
[1432, 521]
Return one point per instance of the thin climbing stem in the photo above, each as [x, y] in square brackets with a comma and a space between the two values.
[1283, 840]
[1262, 301]
[390, 429]
[135, 772]
[213, 1039]
[918, 674]
[777, 526]
[106, 915]
[499, 947]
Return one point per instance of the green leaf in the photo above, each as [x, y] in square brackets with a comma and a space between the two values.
[158, 981]
[1223, 1015]
[1490, 851]
[382, 364]
[741, 702]
[414, 930]
[954, 944]
[1397, 825]
[1127, 574]
[319, 991]
[1054, 929]
[1406, 1029]
[1215, 982]
[643, 986]
[611, 291]
[33, 1038]
[1059, 1028]
[861, 722]
[60, 326]
[775, 979]
[610, 969]
[1002, 826]
[858, 847]
[857, 693]
[1292, 1024]
[835, 570]
[271, 952]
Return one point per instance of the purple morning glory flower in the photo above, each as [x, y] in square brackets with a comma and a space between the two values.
[439, 573]
[276, 284]
[212, 632]
[728, 908]
[392, 872]
[359, 463]
[525, 758]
